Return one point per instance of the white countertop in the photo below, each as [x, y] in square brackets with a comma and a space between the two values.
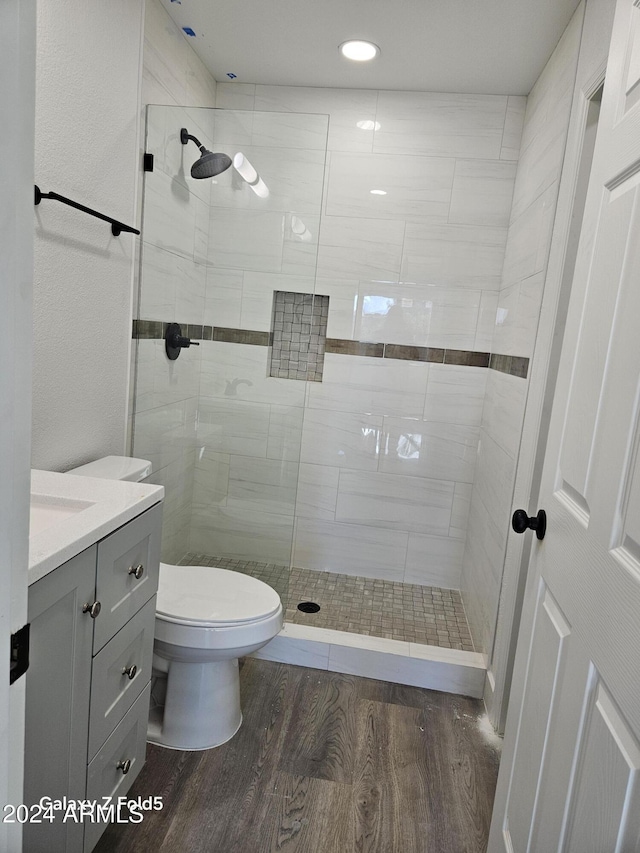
[75, 512]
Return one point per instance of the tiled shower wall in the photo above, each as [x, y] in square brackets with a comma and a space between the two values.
[388, 445]
[519, 302]
[172, 74]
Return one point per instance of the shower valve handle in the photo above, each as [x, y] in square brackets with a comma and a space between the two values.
[175, 341]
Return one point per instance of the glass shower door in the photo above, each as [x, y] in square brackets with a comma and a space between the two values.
[232, 259]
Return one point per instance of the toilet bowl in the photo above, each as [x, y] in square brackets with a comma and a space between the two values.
[206, 619]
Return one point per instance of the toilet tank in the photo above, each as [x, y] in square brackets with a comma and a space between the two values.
[115, 468]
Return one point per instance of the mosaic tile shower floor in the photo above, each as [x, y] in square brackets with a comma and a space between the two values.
[396, 611]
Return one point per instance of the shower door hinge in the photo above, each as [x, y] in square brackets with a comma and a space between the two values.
[19, 658]
[147, 162]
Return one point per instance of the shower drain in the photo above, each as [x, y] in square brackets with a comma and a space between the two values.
[308, 607]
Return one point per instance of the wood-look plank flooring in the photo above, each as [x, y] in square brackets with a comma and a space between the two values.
[323, 763]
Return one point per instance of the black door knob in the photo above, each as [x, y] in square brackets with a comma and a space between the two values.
[521, 522]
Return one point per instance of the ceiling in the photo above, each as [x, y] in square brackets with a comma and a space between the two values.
[471, 46]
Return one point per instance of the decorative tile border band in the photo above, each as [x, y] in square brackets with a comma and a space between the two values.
[514, 365]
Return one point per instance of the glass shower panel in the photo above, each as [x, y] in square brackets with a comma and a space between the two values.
[223, 434]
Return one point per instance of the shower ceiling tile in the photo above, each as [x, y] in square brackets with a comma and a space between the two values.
[424, 449]
[394, 501]
[416, 187]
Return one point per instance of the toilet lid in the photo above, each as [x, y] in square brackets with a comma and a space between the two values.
[199, 595]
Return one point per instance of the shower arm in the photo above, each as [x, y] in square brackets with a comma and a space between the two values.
[185, 136]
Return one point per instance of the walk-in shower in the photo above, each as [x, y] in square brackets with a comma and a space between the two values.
[312, 439]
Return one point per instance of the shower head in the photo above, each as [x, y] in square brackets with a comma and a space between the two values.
[209, 164]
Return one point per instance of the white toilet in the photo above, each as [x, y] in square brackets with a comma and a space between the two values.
[206, 618]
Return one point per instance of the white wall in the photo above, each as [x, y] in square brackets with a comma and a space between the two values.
[88, 143]
[17, 95]
[87, 92]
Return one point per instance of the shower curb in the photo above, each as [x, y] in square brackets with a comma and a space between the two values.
[414, 664]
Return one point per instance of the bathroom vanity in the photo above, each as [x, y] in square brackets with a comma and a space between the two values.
[93, 577]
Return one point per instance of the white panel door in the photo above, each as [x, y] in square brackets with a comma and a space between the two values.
[570, 776]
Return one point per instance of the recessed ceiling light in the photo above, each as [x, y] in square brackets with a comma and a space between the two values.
[360, 51]
[378, 192]
[367, 124]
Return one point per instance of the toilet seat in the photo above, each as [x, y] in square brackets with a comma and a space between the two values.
[209, 597]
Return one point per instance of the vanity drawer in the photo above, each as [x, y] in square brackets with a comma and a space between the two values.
[113, 691]
[127, 743]
[120, 593]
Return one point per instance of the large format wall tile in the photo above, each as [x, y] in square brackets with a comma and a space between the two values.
[360, 248]
[414, 187]
[454, 255]
[389, 500]
[246, 239]
[233, 426]
[317, 492]
[350, 549]
[455, 395]
[417, 314]
[240, 372]
[341, 440]
[232, 532]
[374, 385]
[425, 449]
[482, 193]
[345, 107]
[441, 124]
[434, 561]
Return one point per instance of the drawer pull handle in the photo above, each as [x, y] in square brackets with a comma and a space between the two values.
[125, 766]
[130, 671]
[136, 571]
[92, 609]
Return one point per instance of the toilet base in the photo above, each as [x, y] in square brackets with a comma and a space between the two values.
[201, 708]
